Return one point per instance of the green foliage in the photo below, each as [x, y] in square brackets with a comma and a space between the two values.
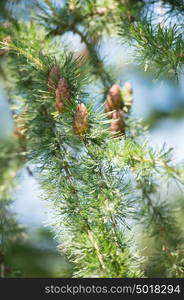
[159, 48]
[99, 187]
[158, 41]
[10, 230]
[37, 256]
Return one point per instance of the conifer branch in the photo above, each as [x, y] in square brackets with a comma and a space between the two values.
[87, 226]
[96, 62]
[94, 166]
[74, 200]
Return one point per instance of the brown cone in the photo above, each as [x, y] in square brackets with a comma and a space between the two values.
[53, 78]
[117, 124]
[62, 94]
[80, 122]
[114, 100]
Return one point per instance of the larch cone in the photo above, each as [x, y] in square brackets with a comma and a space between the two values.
[117, 127]
[80, 122]
[62, 95]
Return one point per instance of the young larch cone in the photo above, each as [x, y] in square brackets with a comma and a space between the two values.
[80, 121]
[62, 95]
[53, 78]
[117, 124]
[114, 100]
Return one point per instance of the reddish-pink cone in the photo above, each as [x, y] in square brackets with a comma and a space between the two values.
[114, 100]
[117, 127]
[62, 95]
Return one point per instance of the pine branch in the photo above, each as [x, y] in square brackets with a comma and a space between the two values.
[72, 18]
[96, 182]
[71, 181]
[156, 215]
[158, 47]
[65, 176]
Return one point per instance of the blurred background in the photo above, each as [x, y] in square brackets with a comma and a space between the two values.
[160, 104]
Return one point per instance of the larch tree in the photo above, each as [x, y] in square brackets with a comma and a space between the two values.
[73, 125]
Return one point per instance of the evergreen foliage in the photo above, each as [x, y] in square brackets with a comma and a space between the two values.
[10, 230]
[99, 185]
